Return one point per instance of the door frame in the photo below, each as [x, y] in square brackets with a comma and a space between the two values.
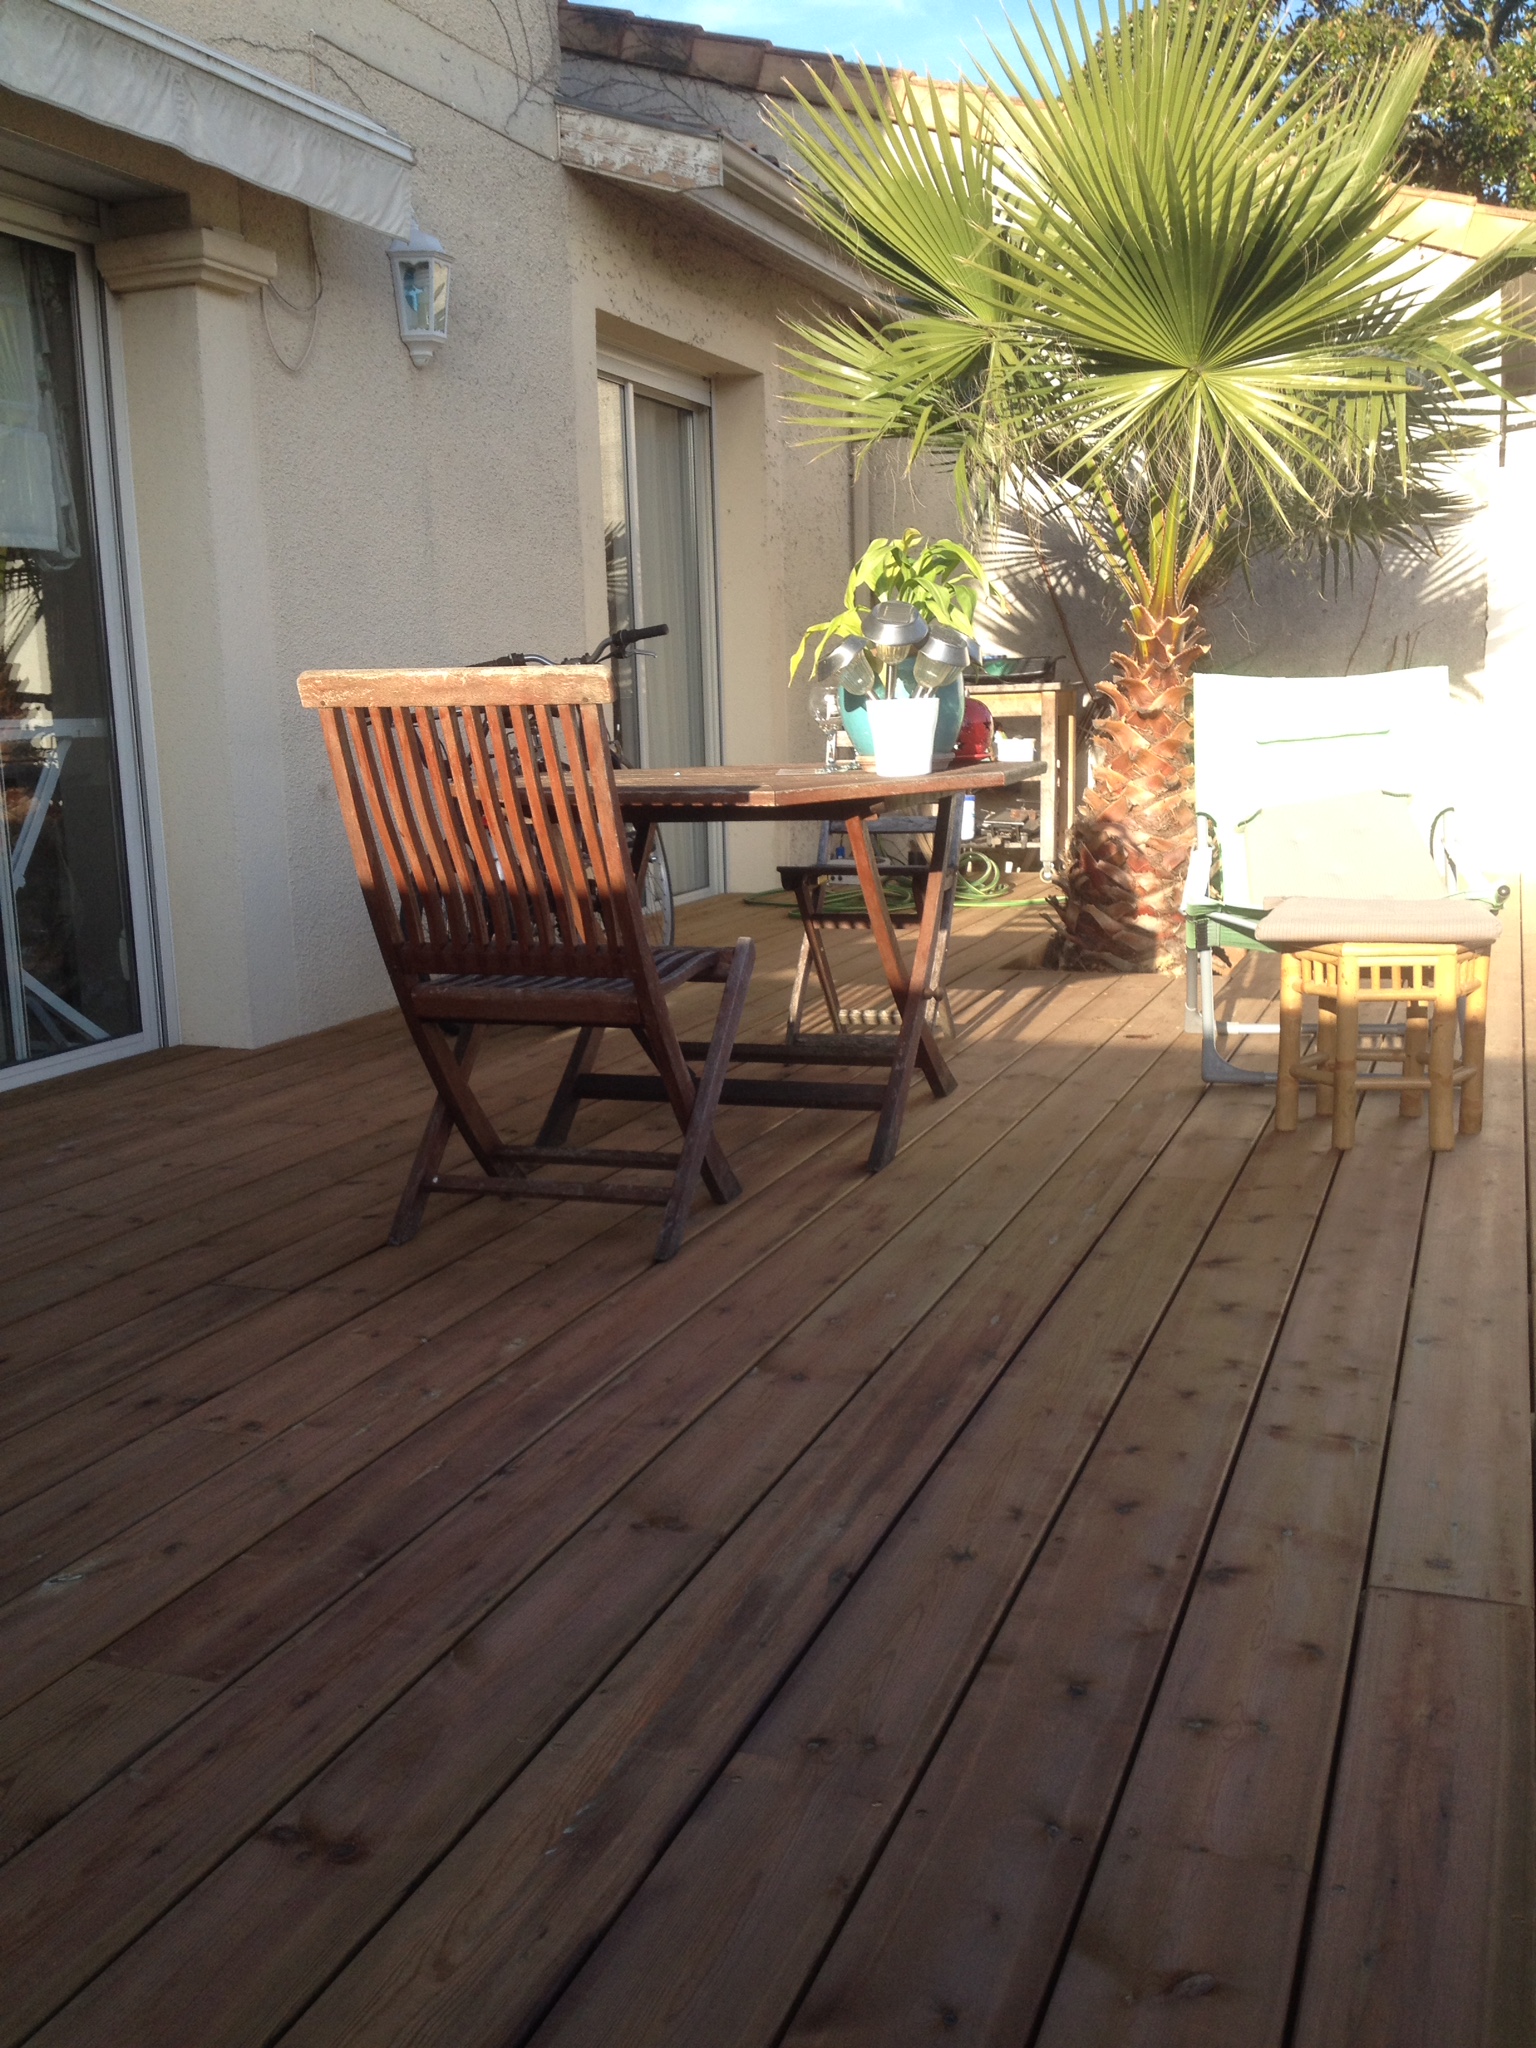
[106, 456]
[681, 388]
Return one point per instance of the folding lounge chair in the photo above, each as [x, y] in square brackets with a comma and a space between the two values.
[1313, 787]
[485, 826]
[826, 893]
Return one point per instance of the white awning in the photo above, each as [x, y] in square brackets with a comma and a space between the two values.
[113, 67]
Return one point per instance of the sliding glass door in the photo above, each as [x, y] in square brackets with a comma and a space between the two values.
[657, 523]
[71, 971]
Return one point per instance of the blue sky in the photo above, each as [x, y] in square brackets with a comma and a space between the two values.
[919, 35]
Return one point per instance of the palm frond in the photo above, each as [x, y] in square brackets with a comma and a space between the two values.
[1156, 266]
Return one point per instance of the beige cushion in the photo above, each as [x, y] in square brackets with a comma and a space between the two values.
[1328, 920]
[1366, 844]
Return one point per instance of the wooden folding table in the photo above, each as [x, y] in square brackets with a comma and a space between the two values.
[652, 797]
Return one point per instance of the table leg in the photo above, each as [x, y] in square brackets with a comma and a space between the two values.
[916, 1045]
[1050, 782]
[1287, 1086]
[1442, 1069]
[1346, 1056]
[1327, 1047]
[640, 852]
[1415, 1059]
[1474, 1039]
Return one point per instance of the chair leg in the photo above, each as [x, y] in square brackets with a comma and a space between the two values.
[556, 1127]
[698, 1138]
[1442, 1070]
[661, 1048]
[798, 989]
[1415, 1059]
[1287, 1084]
[821, 959]
[434, 1143]
[1346, 1058]
[1327, 1048]
[1474, 1040]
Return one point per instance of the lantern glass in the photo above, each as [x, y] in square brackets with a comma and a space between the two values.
[424, 298]
[422, 268]
[941, 658]
[931, 674]
[846, 665]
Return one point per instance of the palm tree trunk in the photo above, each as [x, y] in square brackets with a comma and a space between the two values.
[1132, 840]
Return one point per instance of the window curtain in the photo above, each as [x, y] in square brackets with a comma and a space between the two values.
[37, 508]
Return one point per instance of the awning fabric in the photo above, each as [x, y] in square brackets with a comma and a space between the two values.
[113, 67]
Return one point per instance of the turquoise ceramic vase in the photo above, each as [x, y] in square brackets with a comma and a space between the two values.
[946, 733]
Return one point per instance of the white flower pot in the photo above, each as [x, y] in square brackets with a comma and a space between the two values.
[903, 729]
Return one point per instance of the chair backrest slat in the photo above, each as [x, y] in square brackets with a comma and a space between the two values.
[495, 877]
[523, 859]
[610, 863]
[375, 783]
[541, 764]
[484, 820]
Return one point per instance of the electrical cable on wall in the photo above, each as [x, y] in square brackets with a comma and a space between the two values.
[312, 310]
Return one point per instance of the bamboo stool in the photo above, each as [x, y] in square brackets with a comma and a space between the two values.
[1433, 980]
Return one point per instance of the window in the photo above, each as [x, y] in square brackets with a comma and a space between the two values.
[73, 918]
[654, 434]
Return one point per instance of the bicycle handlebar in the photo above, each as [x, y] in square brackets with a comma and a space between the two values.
[615, 647]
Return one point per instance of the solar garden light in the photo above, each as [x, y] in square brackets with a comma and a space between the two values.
[893, 629]
[941, 658]
[420, 267]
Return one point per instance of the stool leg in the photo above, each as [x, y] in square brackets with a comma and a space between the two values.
[1442, 1068]
[1346, 1057]
[1287, 1086]
[1473, 1043]
[1415, 1060]
[1327, 1036]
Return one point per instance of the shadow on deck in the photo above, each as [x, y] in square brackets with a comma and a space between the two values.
[1074, 1588]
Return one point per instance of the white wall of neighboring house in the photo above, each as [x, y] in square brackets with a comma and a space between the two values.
[1470, 604]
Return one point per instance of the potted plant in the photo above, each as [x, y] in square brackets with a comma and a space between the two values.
[895, 652]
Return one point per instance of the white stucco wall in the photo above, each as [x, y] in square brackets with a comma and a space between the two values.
[305, 497]
[1470, 604]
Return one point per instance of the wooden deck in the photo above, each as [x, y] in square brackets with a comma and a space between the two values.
[1074, 1588]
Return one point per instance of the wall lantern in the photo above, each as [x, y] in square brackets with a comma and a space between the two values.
[421, 267]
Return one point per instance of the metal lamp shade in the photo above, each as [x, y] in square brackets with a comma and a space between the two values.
[421, 268]
[893, 628]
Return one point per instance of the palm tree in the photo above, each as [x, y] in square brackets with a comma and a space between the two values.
[1146, 284]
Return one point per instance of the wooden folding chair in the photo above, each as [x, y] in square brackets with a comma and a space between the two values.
[484, 822]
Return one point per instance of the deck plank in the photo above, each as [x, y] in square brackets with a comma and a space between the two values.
[967, 1911]
[1424, 1928]
[1425, 1933]
[1456, 1500]
[748, 1895]
[118, 1584]
[914, 1614]
[1189, 1934]
[68, 1376]
[85, 1887]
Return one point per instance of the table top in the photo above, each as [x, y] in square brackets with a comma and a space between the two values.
[802, 789]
